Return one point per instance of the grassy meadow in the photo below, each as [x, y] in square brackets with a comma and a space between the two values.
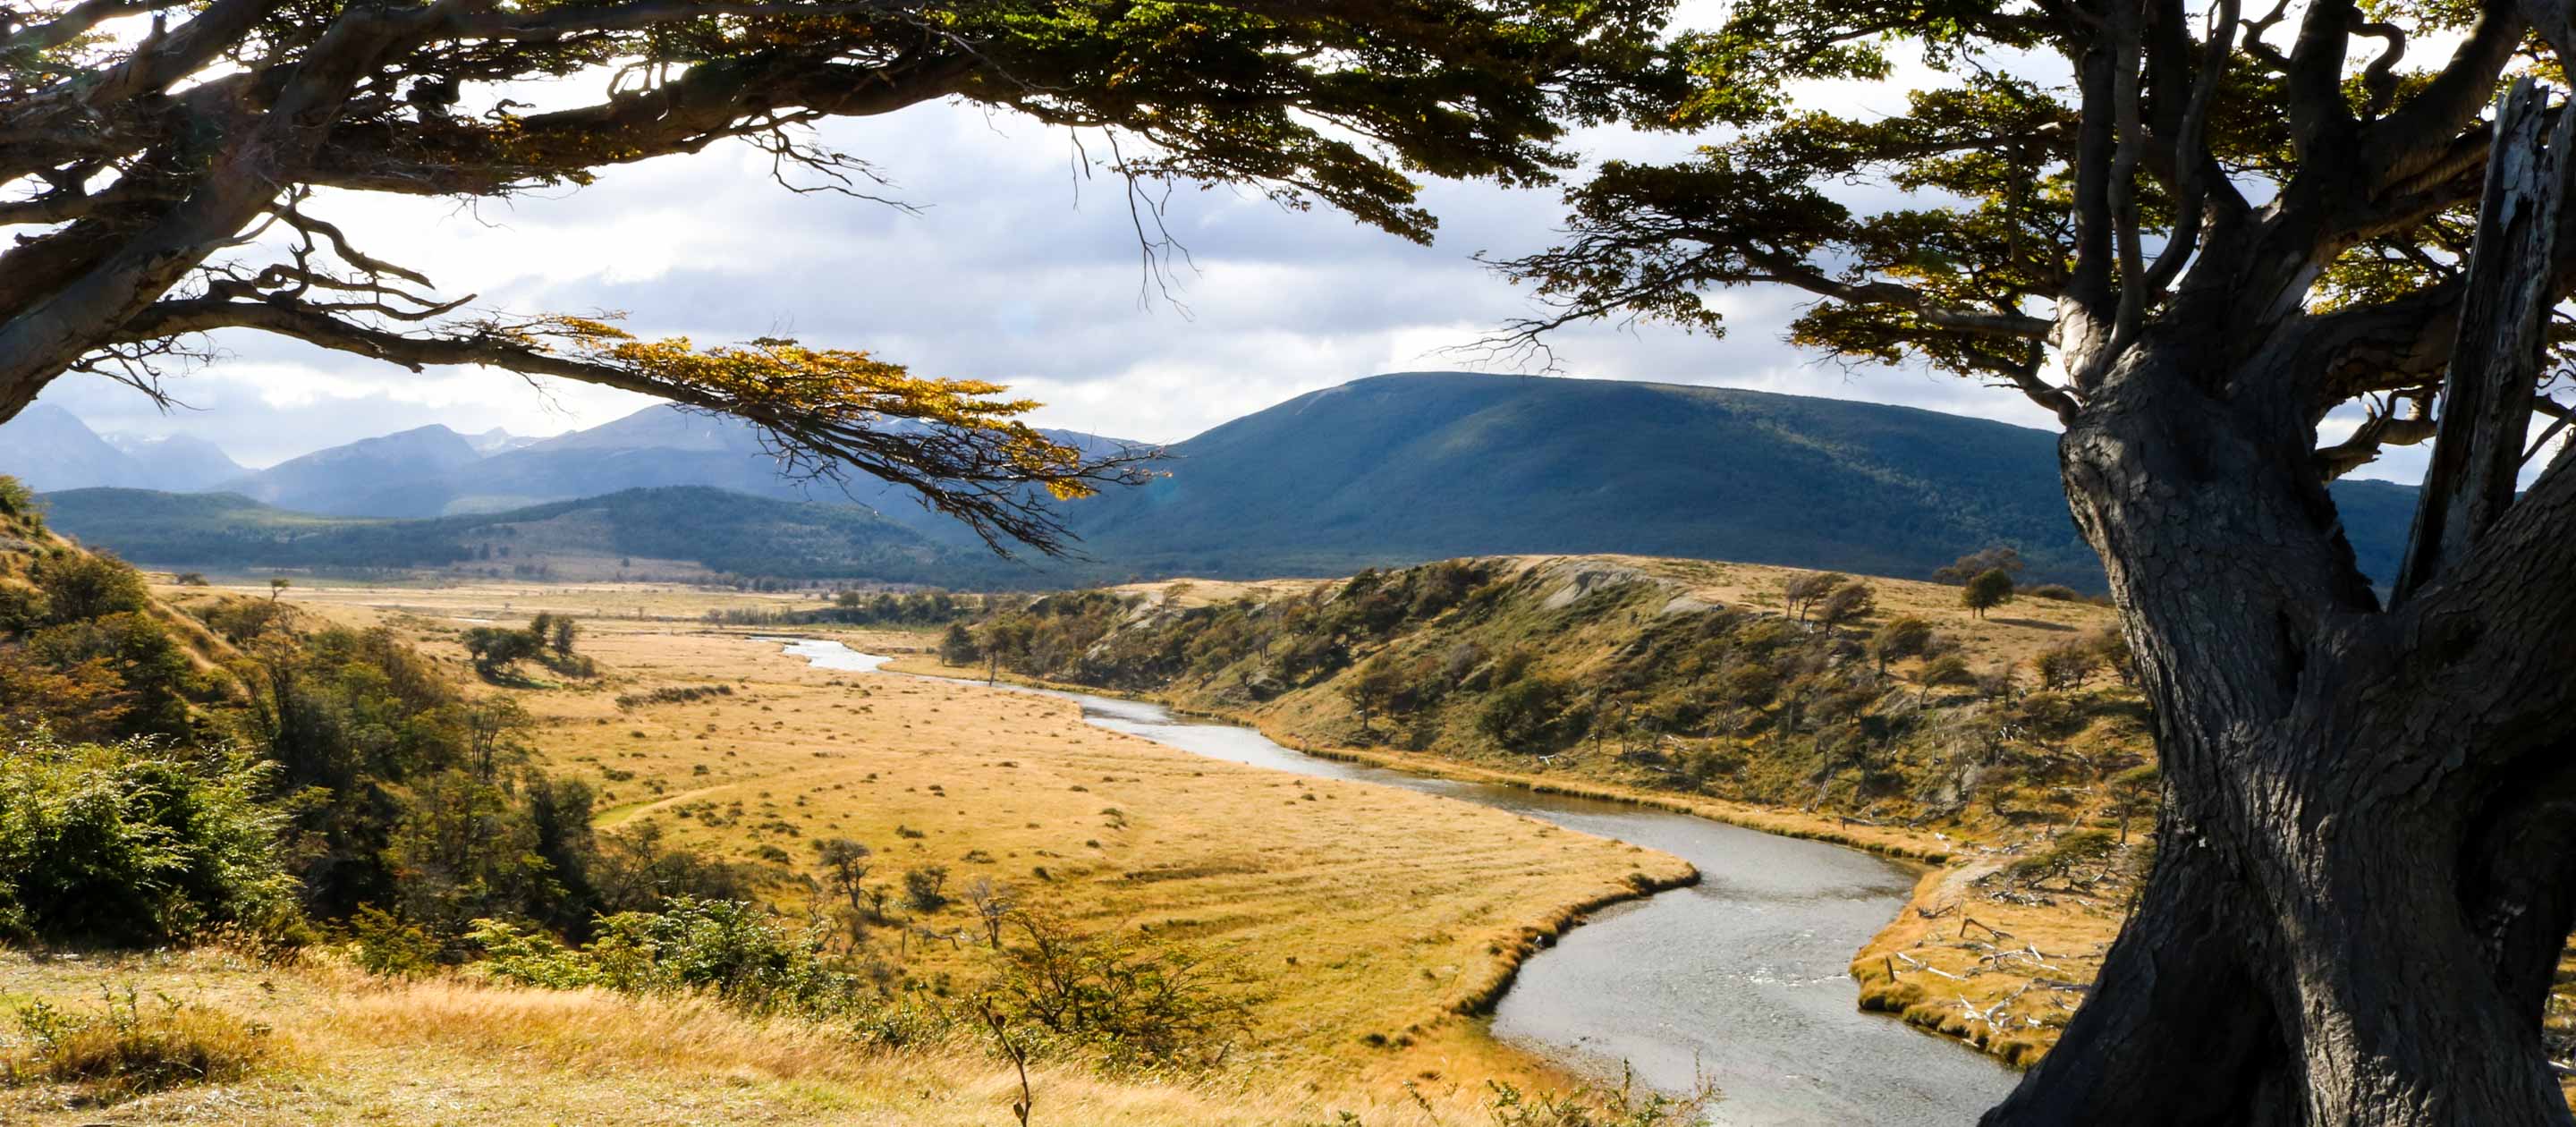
[1367, 926]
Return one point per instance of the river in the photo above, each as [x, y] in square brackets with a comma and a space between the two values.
[1737, 981]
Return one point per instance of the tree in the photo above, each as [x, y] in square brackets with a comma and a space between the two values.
[149, 153]
[495, 649]
[1848, 602]
[1374, 688]
[993, 904]
[1800, 592]
[277, 587]
[2193, 237]
[1948, 669]
[957, 646]
[2066, 666]
[1990, 589]
[566, 633]
[1900, 637]
[1974, 564]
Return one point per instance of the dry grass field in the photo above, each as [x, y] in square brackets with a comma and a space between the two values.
[1368, 924]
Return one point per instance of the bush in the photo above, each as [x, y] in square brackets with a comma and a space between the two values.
[733, 949]
[1113, 993]
[387, 947]
[16, 500]
[127, 1049]
[2056, 592]
[2072, 850]
[925, 888]
[124, 844]
[1526, 715]
[83, 585]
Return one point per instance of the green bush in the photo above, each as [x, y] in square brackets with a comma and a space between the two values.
[733, 949]
[127, 845]
[387, 947]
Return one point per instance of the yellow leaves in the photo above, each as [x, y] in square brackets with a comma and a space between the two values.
[782, 383]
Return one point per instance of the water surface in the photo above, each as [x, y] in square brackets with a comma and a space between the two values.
[1737, 981]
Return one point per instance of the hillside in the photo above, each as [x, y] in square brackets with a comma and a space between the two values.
[2009, 751]
[678, 532]
[1399, 469]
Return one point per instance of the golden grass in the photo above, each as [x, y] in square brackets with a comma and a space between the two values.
[1372, 924]
[449, 1051]
[1354, 909]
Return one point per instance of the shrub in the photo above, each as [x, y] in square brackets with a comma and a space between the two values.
[16, 500]
[83, 585]
[2056, 592]
[925, 888]
[388, 947]
[730, 948]
[1525, 715]
[128, 845]
[127, 1049]
[2072, 850]
[1114, 993]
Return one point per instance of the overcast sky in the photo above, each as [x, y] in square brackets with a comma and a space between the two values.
[1016, 269]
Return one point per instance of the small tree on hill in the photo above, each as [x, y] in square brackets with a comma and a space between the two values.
[1800, 593]
[1942, 671]
[1373, 688]
[1898, 638]
[1991, 588]
[565, 633]
[1848, 603]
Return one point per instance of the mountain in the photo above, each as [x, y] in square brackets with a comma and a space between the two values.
[1403, 468]
[180, 463]
[395, 475]
[496, 440]
[49, 448]
[668, 533]
[655, 447]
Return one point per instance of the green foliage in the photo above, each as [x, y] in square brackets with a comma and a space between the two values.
[957, 646]
[383, 945]
[926, 888]
[128, 1048]
[1116, 994]
[131, 845]
[731, 949]
[1528, 715]
[82, 585]
[1991, 588]
[19, 502]
[495, 648]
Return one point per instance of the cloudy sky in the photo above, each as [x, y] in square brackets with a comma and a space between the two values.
[1015, 269]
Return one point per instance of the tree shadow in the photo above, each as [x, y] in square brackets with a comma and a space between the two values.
[2033, 623]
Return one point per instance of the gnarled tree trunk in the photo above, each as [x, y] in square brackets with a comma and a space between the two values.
[2365, 876]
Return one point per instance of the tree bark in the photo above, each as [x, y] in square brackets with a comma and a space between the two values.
[2361, 889]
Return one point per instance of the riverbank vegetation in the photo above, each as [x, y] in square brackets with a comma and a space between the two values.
[2000, 740]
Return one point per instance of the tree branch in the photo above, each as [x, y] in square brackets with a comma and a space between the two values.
[2487, 395]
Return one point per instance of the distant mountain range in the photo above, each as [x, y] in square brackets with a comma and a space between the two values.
[1403, 468]
[1388, 470]
[679, 532]
[49, 449]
